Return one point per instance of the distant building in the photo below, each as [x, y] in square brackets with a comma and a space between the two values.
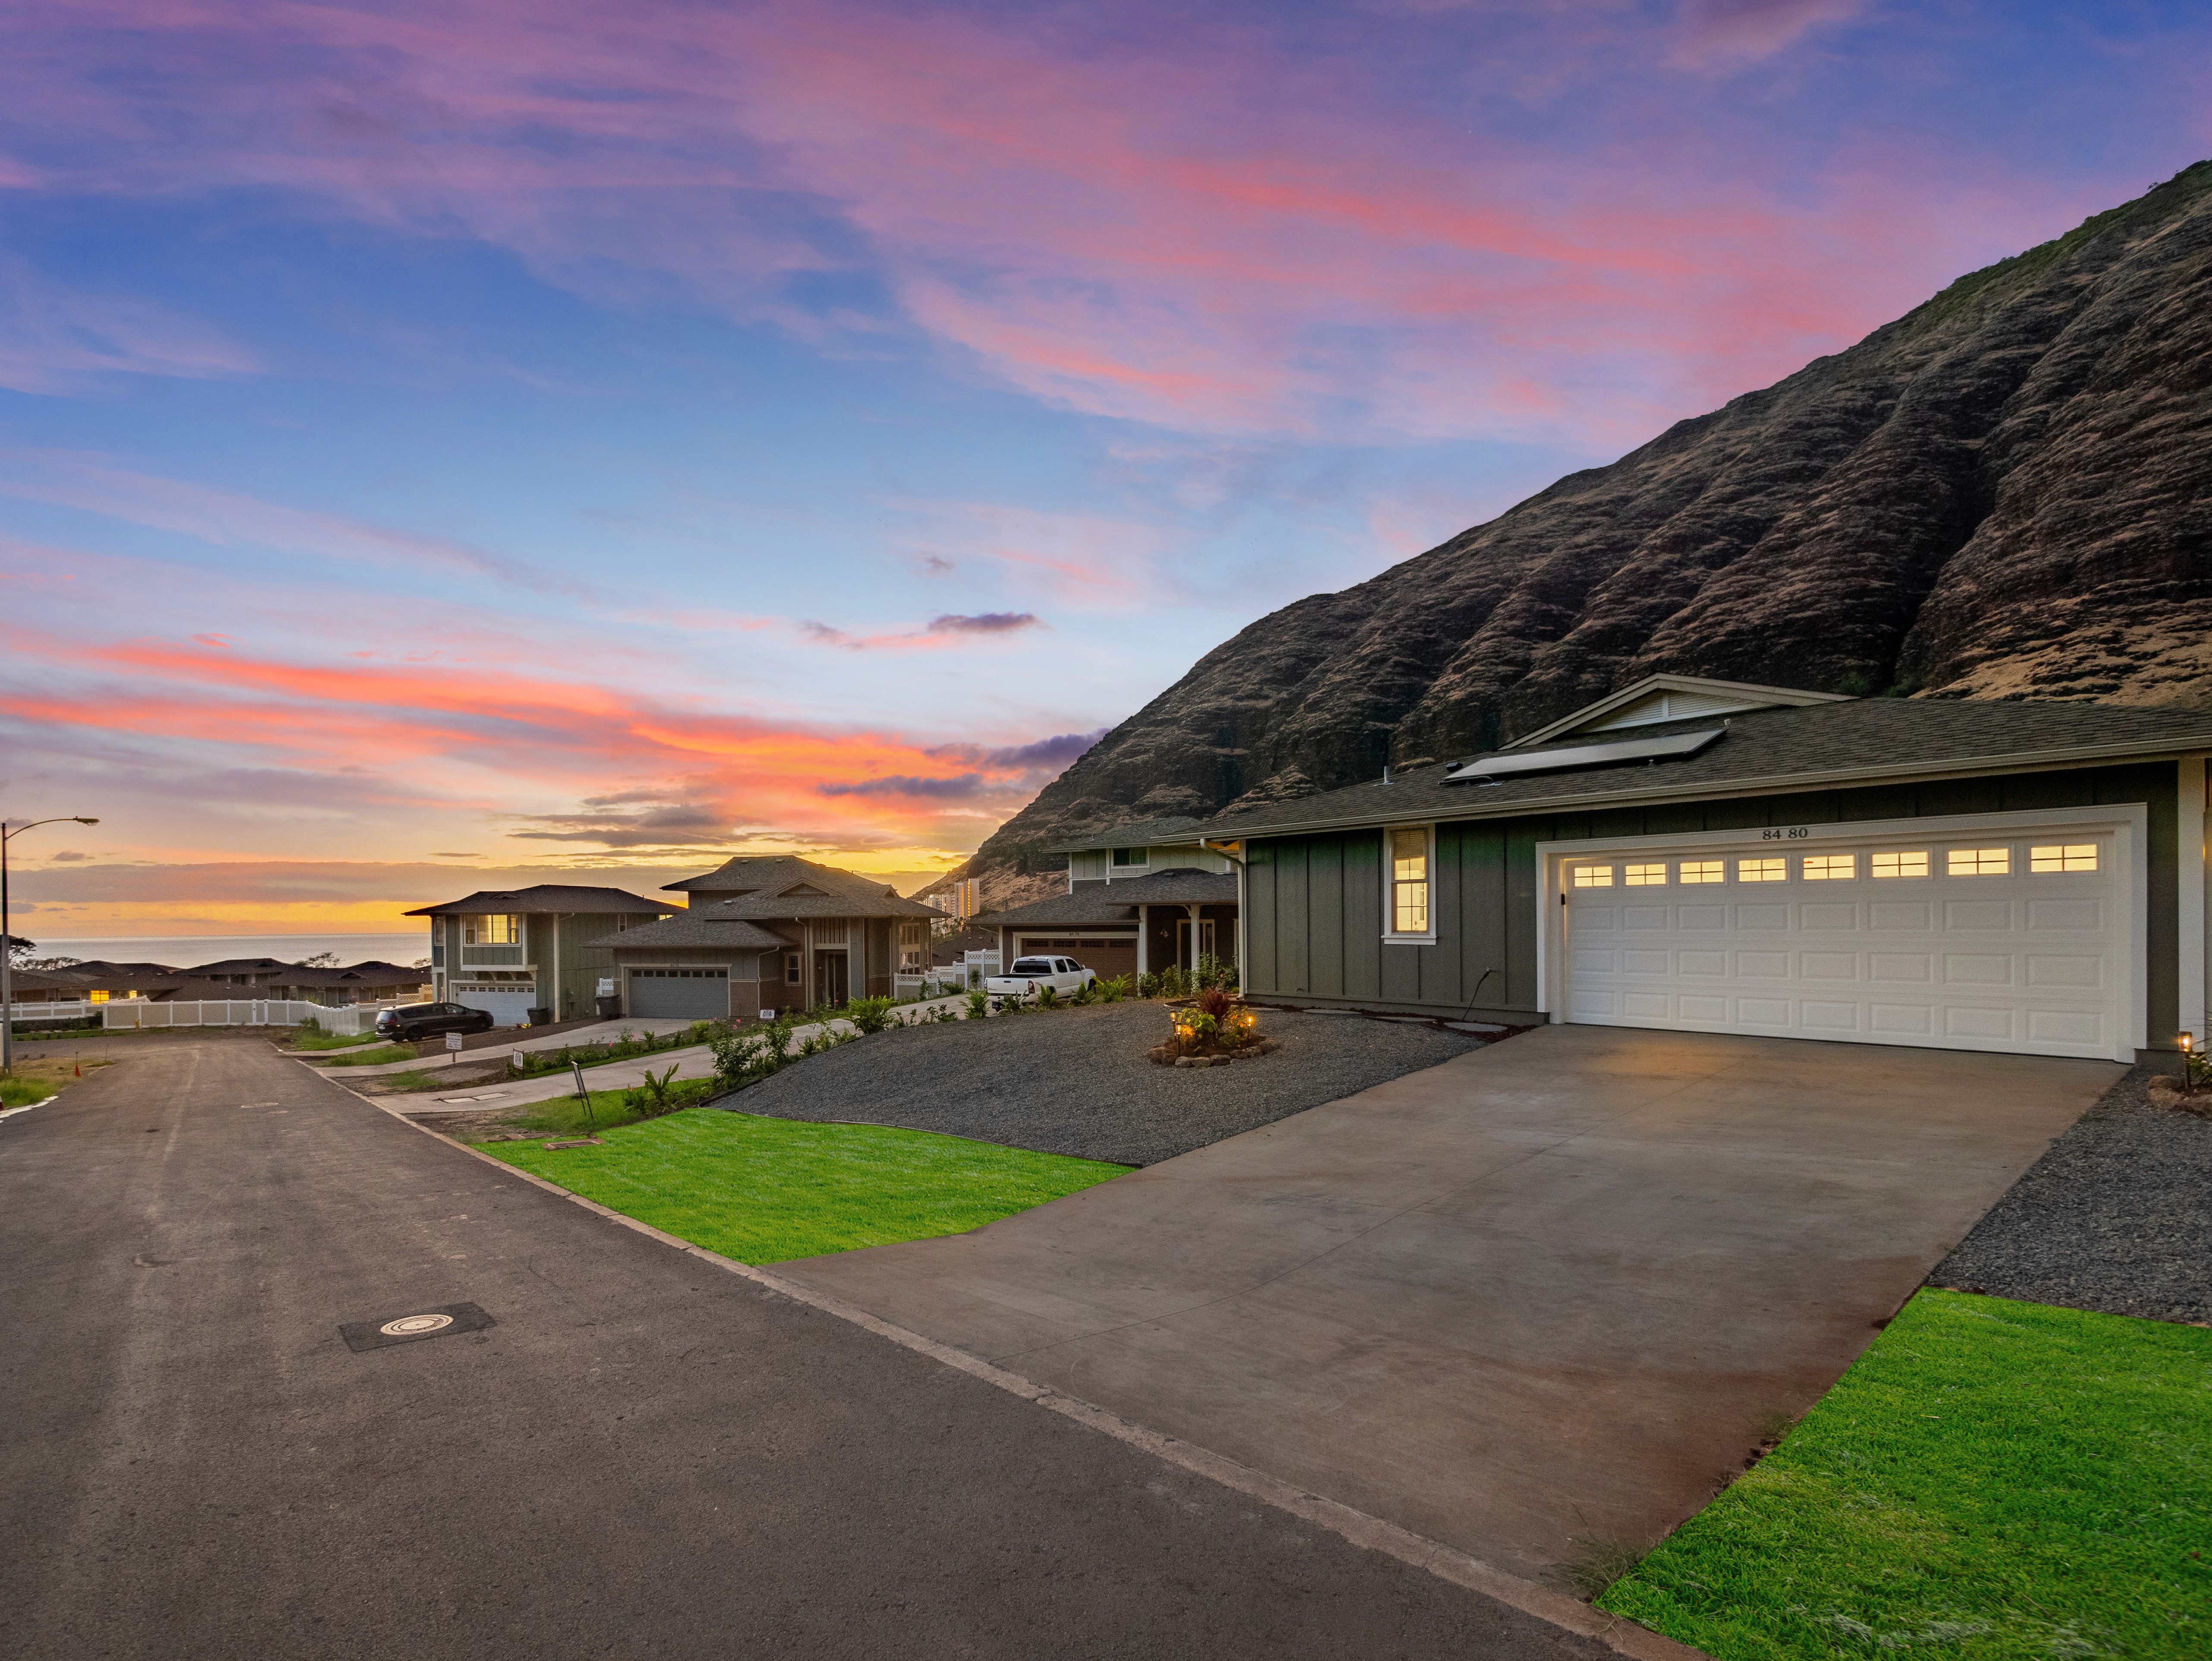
[541, 949]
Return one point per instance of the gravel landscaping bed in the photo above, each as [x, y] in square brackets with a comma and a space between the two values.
[1076, 1080]
[2117, 1217]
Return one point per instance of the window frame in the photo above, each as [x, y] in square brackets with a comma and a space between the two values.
[1392, 935]
[1142, 862]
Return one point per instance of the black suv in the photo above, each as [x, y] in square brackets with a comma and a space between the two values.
[423, 1020]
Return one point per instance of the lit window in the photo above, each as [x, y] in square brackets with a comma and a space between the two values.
[1409, 882]
[1647, 876]
[1831, 867]
[1593, 876]
[96, 996]
[1978, 861]
[2070, 856]
[1762, 870]
[491, 931]
[1900, 864]
[1701, 871]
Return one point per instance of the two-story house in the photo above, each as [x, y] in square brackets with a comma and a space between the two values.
[771, 932]
[531, 955]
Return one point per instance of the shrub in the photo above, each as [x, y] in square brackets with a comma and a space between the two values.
[655, 1096]
[979, 1004]
[870, 1014]
[740, 1059]
[1047, 998]
[310, 1024]
[1213, 1002]
[1213, 973]
[1111, 991]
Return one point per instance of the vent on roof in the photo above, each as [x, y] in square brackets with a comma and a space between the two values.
[1673, 746]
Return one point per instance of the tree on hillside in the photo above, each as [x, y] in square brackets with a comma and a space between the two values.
[320, 960]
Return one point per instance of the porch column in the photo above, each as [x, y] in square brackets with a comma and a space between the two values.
[1143, 939]
[1196, 934]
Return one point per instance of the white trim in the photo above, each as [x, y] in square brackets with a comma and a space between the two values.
[1736, 789]
[1389, 898]
[2130, 860]
[2190, 925]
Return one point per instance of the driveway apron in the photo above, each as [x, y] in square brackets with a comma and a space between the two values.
[1541, 1299]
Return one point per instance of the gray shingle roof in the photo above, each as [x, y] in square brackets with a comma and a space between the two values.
[1864, 741]
[1117, 902]
[1144, 833]
[772, 876]
[545, 897]
[701, 926]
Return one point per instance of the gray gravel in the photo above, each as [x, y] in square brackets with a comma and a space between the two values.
[2117, 1216]
[1076, 1080]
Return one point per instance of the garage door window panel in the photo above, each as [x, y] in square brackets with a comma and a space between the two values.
[1892, 865]
[2062, 857]
[1978, 862]
[1696, 873]
[1762, 870]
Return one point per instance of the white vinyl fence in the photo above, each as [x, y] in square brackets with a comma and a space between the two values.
[940, 978]
[133, 1015]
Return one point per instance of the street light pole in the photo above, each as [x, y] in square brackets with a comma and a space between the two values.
[7, 939]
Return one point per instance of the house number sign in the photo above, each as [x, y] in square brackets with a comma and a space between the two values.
[1790, 833]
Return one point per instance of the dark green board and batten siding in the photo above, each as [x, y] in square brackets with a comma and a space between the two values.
[1313, 904]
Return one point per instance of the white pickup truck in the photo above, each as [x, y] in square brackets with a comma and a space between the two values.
[1064, 976]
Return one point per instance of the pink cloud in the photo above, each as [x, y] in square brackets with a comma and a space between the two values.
[1132, 232]
[56, 339]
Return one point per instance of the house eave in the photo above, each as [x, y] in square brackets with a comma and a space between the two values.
[1772, 784]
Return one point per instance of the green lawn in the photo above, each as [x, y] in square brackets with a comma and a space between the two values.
[764, 1191]
[306, 1040]
[376, 1057]
[1992, 1480]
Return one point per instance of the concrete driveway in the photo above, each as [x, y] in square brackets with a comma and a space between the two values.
[1542, 1298]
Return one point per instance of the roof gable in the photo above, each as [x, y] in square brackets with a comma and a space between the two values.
[1672, 697]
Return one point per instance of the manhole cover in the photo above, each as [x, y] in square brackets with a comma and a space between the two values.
[414, 1326]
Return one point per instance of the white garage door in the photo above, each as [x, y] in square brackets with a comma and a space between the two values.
[1982, 941]
[508, 1006]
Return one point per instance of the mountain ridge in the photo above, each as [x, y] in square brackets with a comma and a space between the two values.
[2005, 492]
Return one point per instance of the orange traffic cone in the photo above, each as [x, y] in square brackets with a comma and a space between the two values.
[80, 1069]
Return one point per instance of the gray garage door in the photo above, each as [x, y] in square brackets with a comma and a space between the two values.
[695, 994]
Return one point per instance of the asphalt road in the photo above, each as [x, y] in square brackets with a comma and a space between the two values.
[644, 1457]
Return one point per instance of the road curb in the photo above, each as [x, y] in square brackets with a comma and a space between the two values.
[1622, 1636]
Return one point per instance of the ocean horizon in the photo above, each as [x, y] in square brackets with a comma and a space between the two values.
[189, 950]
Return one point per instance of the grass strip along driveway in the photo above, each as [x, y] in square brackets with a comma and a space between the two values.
[1992, 1480]
[766, 1191]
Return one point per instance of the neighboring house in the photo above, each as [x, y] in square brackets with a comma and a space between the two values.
[2021, 877]
[240, 972]
[532, 953]
[47, 986]
[104, 981]
[1142, 850]
[1169, 918]
[772, 932]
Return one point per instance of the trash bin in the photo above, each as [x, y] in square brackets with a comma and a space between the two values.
[610, 1008]
[541, 1017]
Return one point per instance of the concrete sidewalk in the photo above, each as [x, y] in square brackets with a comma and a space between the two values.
[1537, 1300]
[434, 1053]
[696, 1062]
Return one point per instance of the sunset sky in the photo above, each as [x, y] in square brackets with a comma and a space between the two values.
[444, 445]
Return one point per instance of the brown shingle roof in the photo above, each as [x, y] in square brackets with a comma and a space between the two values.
[546, 898]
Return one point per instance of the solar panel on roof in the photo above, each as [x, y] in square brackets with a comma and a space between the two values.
[1673, 746]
